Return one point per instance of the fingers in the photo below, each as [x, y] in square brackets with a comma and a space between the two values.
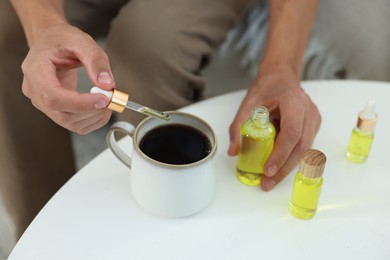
[298, 121]
[81, 113]
[81, 123]
[50, 78]
[291, 128]
[234, 133]
[311, 123]
[93, 122]
[96, 64]
[55, 97]
[268, 183]
[95, 61]
[100, 121]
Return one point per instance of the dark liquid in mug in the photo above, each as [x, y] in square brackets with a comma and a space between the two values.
[175, 144]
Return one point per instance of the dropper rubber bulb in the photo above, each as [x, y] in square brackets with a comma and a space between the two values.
[369, 110]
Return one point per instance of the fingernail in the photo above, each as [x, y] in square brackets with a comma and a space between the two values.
[268, 184]
[101, 104]
[104, 77]
[271, 170]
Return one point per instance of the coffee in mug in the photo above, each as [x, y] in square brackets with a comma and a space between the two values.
[175, 144]
[172, 165]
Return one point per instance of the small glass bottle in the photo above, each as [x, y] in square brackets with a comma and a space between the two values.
[307, 184]
[363, 134]
[256, 144]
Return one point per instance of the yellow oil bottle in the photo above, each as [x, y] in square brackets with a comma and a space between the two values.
[307, 184]
[363, 134]
[256, 144]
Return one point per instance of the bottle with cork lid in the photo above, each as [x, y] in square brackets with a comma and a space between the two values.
[363, 134]
[307, 184]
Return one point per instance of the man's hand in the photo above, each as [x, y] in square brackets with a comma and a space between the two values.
[277, 88]
[295, 116]
[50, 78]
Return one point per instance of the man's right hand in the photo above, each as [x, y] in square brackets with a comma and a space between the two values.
[50, 78]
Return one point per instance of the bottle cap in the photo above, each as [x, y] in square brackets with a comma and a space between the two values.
[367, 118]
[312, 163]
[118, 99]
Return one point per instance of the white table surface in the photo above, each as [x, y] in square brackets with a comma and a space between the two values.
[94, 216]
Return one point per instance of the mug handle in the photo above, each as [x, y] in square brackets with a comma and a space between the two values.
[125, 128]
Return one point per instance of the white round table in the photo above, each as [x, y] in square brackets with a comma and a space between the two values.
[93, 216]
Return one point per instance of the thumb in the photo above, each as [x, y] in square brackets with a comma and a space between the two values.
[98, 67]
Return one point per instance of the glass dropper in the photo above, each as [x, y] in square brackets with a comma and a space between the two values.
[120, 100]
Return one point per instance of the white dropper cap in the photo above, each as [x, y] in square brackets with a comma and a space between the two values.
[367, 118]
[101, 91]
[369, 110]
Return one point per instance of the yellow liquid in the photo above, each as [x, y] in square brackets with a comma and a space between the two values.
[359, 146]
[255, 147]
[305, 196]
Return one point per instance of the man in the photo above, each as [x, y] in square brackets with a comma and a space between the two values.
[155, 49]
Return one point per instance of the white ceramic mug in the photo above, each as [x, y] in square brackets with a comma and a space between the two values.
[173, 190]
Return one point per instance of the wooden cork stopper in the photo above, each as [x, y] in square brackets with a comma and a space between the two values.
[312, 163]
